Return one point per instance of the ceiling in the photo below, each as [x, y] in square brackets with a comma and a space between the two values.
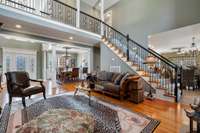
[107, 3]
[182, 37]
[31, 29]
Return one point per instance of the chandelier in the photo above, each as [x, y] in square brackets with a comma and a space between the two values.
[194, 49]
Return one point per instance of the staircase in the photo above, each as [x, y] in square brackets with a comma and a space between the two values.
[160, 73]
[157, 71]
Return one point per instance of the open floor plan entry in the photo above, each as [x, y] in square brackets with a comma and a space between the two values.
[99, 66]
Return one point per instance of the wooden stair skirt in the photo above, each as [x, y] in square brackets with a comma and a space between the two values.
[135, 95]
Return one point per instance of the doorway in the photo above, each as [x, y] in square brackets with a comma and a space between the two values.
[20, 60]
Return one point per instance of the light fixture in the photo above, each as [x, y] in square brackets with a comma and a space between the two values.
[194, 48]
[50, 47]
[108, 15]
[149, 37]
[193, 42]
[71, 38]
[18, 26]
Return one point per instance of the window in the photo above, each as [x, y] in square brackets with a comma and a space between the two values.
[21, 63]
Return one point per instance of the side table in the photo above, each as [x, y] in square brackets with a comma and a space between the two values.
[193, 116]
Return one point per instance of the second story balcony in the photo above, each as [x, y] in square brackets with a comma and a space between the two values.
[56, 16]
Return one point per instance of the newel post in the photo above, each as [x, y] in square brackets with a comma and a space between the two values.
[127, 49]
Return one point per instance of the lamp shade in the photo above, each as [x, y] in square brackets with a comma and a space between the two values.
[150, 60]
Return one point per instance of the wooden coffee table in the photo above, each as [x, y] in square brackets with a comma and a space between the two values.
[84, 89]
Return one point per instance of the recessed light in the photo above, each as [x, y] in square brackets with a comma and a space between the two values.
[18, 26]
[108, 15]
[71, 38]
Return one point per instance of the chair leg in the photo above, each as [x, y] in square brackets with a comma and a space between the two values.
[29, 97]
[10, 99]
[23, 102]
[44, 95]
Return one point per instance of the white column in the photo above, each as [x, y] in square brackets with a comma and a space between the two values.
[54, 61]
[91, 60]
[102, 16]
[37, 6]
[44, 65]
[78, 13]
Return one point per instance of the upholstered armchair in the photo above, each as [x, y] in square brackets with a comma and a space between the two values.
[18, 85]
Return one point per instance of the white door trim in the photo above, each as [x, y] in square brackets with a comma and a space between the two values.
[18, 51]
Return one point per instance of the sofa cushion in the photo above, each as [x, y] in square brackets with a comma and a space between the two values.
[101, 75]
[111, 87]
[100, 85]
[32, 90]
[109, 76]
[101, 82]
[118, 79]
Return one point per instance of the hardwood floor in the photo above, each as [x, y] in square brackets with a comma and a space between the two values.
[171, 115]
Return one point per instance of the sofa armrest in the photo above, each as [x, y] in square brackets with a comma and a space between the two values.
[124, 84]
[129, 79]
[39, 81]
[34, 80]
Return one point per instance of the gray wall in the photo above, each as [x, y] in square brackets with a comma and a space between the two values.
[96, 58]
[141, 18]
[106, 60]
[24, 45]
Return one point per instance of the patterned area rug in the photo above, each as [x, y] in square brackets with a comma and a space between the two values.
[108, 118]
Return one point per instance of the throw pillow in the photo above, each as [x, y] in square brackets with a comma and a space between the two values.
[124, 78]
[114, 77]
[118, 79]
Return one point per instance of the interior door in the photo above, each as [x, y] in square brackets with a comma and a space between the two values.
[21, 62]
[31, 66]
[9, 58]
